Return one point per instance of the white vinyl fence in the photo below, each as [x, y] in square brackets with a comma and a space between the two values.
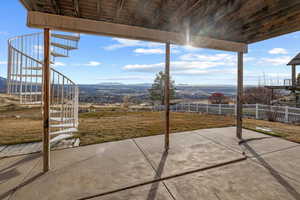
[256, 111]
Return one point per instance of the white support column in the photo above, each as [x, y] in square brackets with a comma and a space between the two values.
[220, 109]
[239, 99]
[286, 117]
[256, 111]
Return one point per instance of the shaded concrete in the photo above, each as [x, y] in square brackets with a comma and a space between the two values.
[13, 171]
[89, 170]
[245, 180]
[187, 152]
[262, 143]
[286, 162]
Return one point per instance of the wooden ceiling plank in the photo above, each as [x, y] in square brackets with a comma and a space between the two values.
[99, 9]
[120, 5]
[79, 25]
[76, 8]
[55, 6]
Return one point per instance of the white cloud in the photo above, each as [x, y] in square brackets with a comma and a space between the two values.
[188, 63]
[149, 51]
[3, 62]
[59, 64]
[126, 78]
[3, 33]
[283, 60]
[191, 48]
[92, 63]
[278, 51]
[122, 43]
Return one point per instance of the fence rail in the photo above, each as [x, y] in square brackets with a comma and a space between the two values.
[256, 111]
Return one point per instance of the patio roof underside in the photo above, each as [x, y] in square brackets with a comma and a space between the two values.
[245, 21]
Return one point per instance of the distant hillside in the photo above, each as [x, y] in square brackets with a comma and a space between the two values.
[2, 85]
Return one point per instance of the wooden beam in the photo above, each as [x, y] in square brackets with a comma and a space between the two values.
[239, 97]
[167, 97]
[80, 25]
[46, 100]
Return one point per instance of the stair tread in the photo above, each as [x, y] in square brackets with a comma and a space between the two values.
[67, 37]
[58, 54]
[30, 93]
[63, 46]
[61, 119]
[69, 130]
[60, 137]
[34, 102]
[28, 75]
[61, 125]
[33, 68]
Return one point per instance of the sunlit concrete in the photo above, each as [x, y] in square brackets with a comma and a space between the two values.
[140, 169]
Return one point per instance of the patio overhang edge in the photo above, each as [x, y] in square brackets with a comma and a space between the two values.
[79, 25]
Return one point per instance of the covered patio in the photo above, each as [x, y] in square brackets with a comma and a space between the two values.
[226, 163]
[202, 164]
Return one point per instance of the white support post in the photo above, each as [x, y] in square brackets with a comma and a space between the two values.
[256, 111]
[286, 114]
[220, 109]
[207, 108]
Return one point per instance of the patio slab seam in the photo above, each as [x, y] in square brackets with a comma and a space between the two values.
[152, 166]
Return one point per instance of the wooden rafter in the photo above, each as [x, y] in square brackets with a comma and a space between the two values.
[158, 17]
[55, 6]
[99, 9]
[119, 8]
[76, 8]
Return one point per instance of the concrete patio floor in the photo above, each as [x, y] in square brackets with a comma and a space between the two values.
[204, 164]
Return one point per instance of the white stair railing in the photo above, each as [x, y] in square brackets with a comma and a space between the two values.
[25, 79]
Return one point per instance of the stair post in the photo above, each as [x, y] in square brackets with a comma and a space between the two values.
[46, 101]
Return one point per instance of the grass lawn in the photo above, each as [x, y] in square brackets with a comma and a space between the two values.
[117, 124]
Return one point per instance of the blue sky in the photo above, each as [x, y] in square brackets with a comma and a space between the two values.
[106, 59]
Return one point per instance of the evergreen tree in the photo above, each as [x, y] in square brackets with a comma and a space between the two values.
[157, 92]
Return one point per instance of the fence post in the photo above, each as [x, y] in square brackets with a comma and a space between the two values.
[286, 114]
[189, 109]
[207, 108]
[220, 109]
[256, 111]
[197, 107]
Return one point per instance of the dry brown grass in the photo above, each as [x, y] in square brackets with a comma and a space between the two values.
[117, 124]
[107, 126]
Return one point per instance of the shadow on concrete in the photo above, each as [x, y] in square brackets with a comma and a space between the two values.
[11, 191]
[253, 139]
[22, 161]
[289, 188]
[11, 171]
[154, 187]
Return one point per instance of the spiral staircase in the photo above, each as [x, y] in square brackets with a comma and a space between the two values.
[25, 80]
